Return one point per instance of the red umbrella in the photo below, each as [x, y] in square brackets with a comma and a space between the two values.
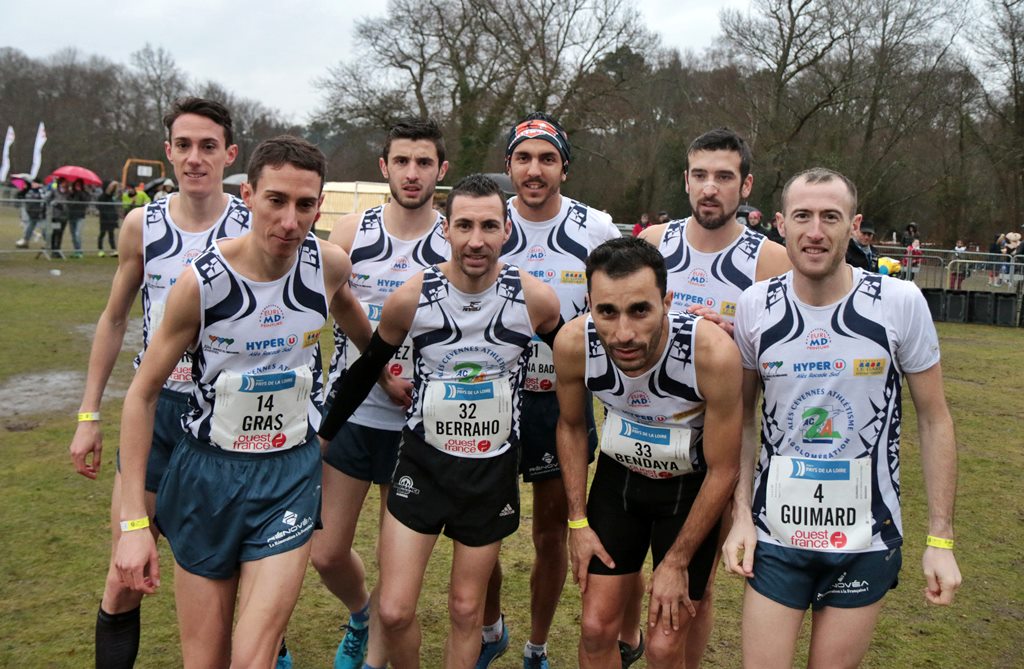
[75, 173]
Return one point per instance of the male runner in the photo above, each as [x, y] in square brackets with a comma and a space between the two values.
[387, 245]
[241, 494]
[830, 345]
[711, 258]
[551, 238]
[669, 450]
[157, 243]
[471, 319]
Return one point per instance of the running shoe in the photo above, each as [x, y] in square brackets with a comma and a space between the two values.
[536, 661]
[630, 655]
[284, 658]
[352, 649]
[492, 650]
[101, 254]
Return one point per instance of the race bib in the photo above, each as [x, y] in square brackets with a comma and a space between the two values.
[540, 370]
[401, 362]
[820, 505]
[656, 452]
[468, 419]
[259, 413]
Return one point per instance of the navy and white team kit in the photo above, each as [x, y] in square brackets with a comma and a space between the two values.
[367, 445]
[827, 480]
[555, 252]
[245, 483]
[713, 280]
[167, 250]
[457, 463]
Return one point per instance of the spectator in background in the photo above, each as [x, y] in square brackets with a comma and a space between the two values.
[860, 252]
[913, 260]
[166, 188]
[909, 235]
[663, 217]
[645, 222]
[752, 217]
[958, 268]
[134, 197]
[33, 211]
[109, 217]
[1014, 254]
[59, 195]
[78, 202]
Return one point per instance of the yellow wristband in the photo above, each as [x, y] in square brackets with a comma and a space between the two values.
[579, 524]
[137, 524]
[87, 416]
[939, 542]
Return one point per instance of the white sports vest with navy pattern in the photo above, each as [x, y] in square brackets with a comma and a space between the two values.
[647, 408]
[166, 251]
[555, 252]
[714, 280]
[380, 264]
[828, 476]
[468, 355]
[261, 332]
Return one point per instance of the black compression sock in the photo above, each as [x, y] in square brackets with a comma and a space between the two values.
[117, 639]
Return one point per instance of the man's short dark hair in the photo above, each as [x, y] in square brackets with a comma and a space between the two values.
[416, 129]
[820, 175]
[210, 109]
[722, 139]
[475, 185]
[286, 150]
[621, 256]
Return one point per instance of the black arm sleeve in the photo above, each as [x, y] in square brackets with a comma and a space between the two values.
[549, 337]
[356, 385]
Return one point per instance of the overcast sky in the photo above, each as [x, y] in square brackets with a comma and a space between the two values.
[266, 50]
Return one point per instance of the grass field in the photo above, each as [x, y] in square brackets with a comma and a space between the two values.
[55, 527]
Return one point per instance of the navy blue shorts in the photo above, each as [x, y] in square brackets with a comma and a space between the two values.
[167, 432]
[364, 453]
[799, 578]
[631, 513]
[538, 418]
[221, 508]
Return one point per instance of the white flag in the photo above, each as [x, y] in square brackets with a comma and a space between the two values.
[37, 153]
[5, 163]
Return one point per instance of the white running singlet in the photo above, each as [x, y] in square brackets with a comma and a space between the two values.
[655, 422]
[167, 250]
[714, 280]
[380, 264]
[259, 385]
[468, 353]
[828, 472]
[555, 252]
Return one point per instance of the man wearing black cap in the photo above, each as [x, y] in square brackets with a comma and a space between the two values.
[860, 253]
[551, 237]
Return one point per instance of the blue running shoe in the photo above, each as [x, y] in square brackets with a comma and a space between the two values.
[284, 658]
[352, 649]
[492, 650]
[536, 661]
